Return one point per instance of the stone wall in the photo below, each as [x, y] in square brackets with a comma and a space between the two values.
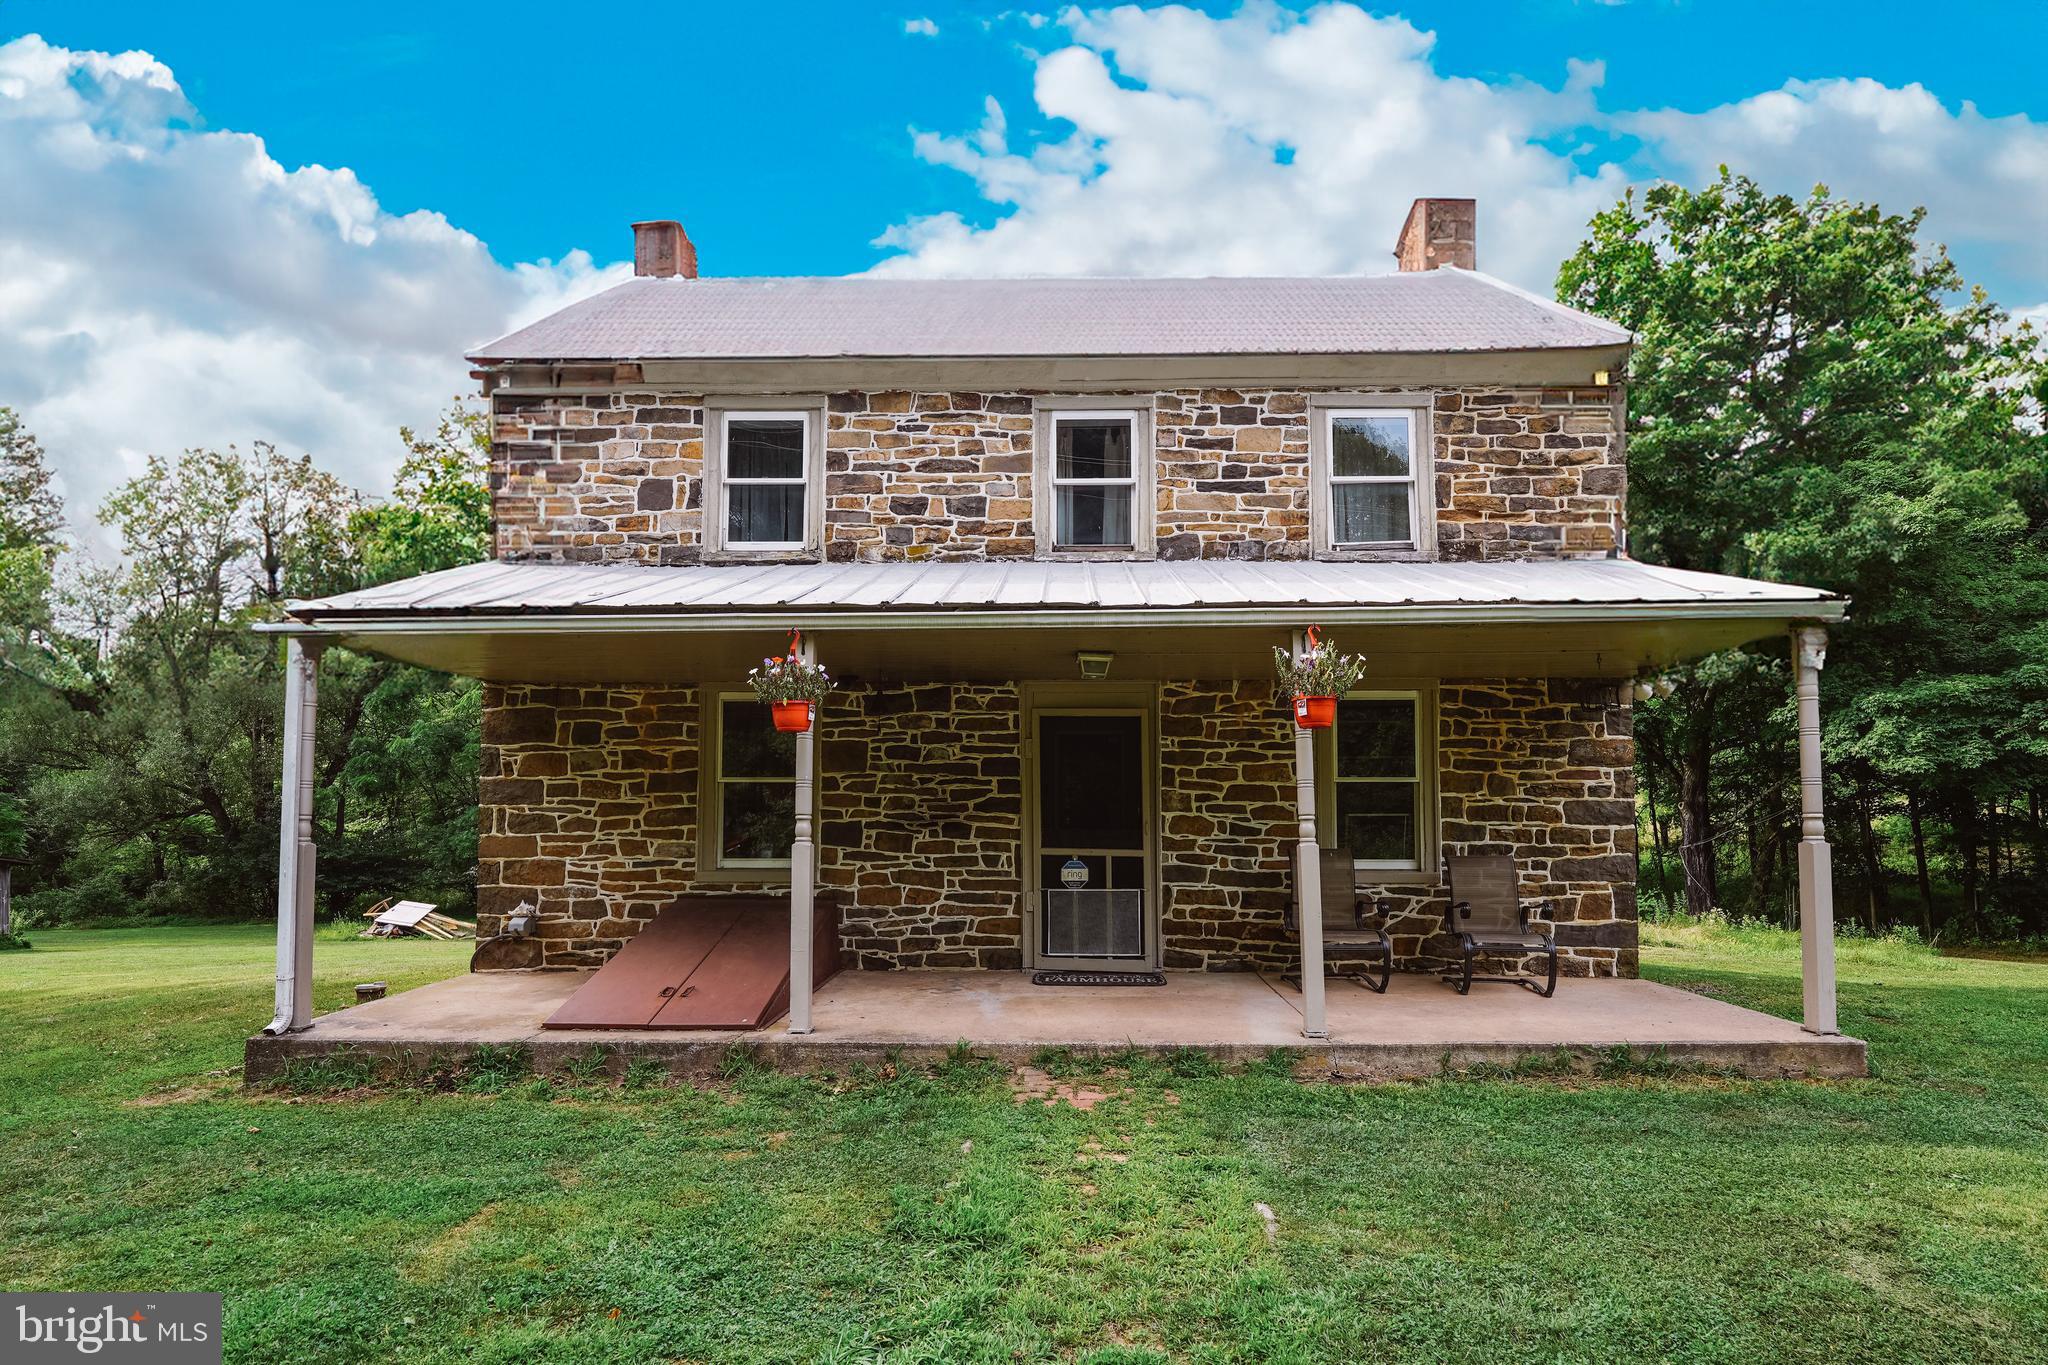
[1544, 768]
[588, 810]
[922, 796]
[590, 804]
[928, 476]
[1541, 769]
[1226, 843]
[618, 477]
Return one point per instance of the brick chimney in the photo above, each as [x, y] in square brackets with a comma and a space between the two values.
[661, 248]
[1439, 232]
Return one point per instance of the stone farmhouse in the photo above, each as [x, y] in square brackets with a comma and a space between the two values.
[1045, 535]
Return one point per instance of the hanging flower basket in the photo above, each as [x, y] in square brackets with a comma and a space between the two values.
[1315, 713]
[791, 687]
[1315, 680]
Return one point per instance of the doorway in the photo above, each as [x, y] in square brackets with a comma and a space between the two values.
[1092, 892]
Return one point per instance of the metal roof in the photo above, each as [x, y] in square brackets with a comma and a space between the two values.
[1434, 311]
[1160, 589]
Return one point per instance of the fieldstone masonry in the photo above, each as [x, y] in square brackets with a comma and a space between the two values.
[588, 811]
[591, 795]
[591, 802]
[921, 790]
[608, 477]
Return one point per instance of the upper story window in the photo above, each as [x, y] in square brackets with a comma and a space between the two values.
[765, 481]
[1095, 478]
[762, 479]
[1374, 490]
[1372, 478]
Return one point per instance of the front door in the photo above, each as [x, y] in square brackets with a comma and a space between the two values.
[1092, 854]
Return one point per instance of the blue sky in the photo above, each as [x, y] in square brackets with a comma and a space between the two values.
[711, 105]
[241, 221]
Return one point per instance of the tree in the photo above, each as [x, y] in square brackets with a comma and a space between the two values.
[31, 513]
[140, 714]
[439, 512]
[1815, 398]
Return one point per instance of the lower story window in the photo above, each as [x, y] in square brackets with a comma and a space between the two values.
[754, 786]
[1379, 779]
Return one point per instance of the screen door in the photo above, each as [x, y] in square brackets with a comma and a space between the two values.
[1091, 839]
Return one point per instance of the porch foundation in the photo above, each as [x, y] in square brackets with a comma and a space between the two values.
[1419, 1029]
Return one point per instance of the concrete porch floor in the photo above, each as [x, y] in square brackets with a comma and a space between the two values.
[1414, 1030]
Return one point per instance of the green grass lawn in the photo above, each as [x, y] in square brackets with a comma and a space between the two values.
[929, 1217]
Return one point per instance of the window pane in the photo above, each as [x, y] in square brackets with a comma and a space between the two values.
[1091, 783]
[1376, 737]
[1365, 512]
[749, 745]
[1376, 820]
[758, 818]
[1362, 447]
[758, 449]
[1095, 450]
[765, 513]
[1095, 514]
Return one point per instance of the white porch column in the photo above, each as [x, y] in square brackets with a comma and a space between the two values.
[295, 855]
[1308, 874]
[803, 864]
[1816, 872]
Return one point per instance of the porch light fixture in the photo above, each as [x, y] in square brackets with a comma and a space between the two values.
[1094, 663]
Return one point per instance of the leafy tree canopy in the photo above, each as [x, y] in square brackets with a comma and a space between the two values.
[1816, 398]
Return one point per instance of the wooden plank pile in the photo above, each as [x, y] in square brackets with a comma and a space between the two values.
[399, 919]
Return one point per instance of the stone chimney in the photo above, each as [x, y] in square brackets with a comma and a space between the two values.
[1439, 232]
[661, 248]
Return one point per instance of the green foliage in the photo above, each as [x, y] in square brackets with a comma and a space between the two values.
[1322, 671]
[13, 828]
[31, 513]
[439, 512]
[14, 943]
[140, 713]
[789, 679]
[1815, 398]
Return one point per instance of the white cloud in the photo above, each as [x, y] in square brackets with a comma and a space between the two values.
[1264, 142]
[162, 287]
[1984, 180]
[921, 28]
[1273, 142]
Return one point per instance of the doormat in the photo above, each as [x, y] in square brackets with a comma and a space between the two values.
[1098, 978]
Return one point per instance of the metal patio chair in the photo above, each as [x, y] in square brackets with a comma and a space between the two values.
[1345, 931]
[1489, 919]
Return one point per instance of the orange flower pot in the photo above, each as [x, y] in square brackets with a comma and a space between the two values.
[1315, 713]
[795, 716]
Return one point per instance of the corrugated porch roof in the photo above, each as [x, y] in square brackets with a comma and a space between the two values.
[1018, 620]
[1034, 586]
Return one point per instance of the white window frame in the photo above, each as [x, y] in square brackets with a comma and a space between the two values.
[1413, 408]
[1423, 865]
[715, 782]
[728, 481]
[719, 413]
[1050, 413]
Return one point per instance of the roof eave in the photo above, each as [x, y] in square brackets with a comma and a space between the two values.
[1625, 342]
[430, 621]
